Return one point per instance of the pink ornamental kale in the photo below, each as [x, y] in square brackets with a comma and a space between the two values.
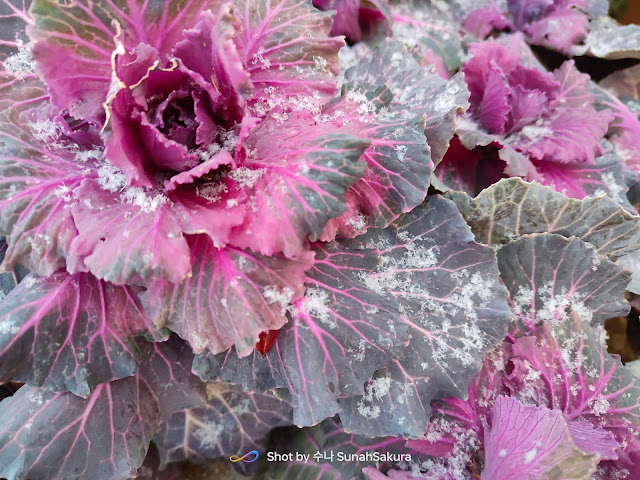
[557, 24]
[540, 400]
[544, 126]
[212, 123]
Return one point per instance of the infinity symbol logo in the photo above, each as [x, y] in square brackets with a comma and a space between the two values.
[235, 458]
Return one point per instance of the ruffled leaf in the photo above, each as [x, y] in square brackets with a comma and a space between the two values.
[430, 34]
[84, 34]
[297, 173]
[39, 170]
[70, 332]
[534, 442]
[231, 296]
[595, 387]
[338, 334]
[60, 435]
[512, 207]
[357, 19]
[572, 130]
[564, 368]
[592, 438]
[126, 233]
[453, 305]
[230, 422]
[384, 100]
[618, 92]
[606, 176]
[286, 43]
[549, 277]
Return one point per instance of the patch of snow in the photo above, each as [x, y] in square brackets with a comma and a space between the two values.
[22, 63]
[282, 296]
[246, 177]
[530, 455]
[316, 304]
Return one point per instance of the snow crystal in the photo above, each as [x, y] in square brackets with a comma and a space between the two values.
[96, 153]
[446, 101]
[229, 138]
[359, 355]
[530, 455]
[454, 465]
[46, 130]
[616, 191]
[64, 192]
[7, 327]
[369, 412]
[315, 303]
[320, 63]
[246, 177]
[212, 191]
[36, 397]
[29, 281]
[536, 133]
[401, 151]
[263, 105]
[21, 63]
[273, 294]
[111, 178]
[212, 150]
[599, 405]
[138, 197]
[502, 453]
[377, 388]
[243, 407]
[209, 433]
[358, 222]
[258, 58]
[556, 307]
[365, 107]
[523, 300]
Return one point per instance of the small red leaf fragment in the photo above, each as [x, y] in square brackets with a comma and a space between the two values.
[266, 341]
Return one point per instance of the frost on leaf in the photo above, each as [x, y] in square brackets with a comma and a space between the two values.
[59, 435]
[408, 114]
[563, 368]
[148, 241]
[37, 181]
[549, 277]
[608, 39]
[430, 34]
[299, 172]
[513, 207]
[71, 332]
[231, 296]
[229, 421]
[453, 305]
[337, 335]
